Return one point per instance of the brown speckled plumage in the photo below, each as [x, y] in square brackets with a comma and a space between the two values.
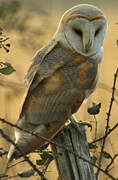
[59, 80]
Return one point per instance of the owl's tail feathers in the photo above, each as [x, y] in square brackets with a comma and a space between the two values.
[24, 147]
[28, 143]
[13, 154]
[25, 143]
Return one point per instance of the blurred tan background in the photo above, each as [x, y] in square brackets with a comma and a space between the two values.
[30, 27]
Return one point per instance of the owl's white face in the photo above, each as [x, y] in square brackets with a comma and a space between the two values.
[84, 36]
[83, 29]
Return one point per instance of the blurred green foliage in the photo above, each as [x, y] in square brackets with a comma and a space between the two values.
[10, 16]
[5, 67]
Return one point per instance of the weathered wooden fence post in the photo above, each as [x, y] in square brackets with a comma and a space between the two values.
[69, 166]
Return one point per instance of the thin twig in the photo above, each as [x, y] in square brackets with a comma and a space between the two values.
[30, 132]
[108, 120]
[61, 146]
[15, 164]
[95, 126]
[116, 101]
[10, 177]
[3, 40]
[47, 164]
[25, 157]
[112, 161]
[108, 133]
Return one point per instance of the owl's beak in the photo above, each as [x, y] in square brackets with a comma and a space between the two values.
[87, 45]
[88, 39]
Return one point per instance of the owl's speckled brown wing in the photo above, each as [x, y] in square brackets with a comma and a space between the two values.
[56, 91]
[53, 92]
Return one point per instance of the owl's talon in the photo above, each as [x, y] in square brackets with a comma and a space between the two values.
[78, 124]
[84, 123]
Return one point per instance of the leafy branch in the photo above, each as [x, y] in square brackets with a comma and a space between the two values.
[20, 150]
[5, 67]
[93, 110]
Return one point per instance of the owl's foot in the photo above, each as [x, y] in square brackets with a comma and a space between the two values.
[80, 123]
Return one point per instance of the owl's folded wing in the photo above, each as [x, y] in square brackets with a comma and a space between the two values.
[37, 61]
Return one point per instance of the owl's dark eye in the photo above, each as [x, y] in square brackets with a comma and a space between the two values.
[97, 32]
[78, 32]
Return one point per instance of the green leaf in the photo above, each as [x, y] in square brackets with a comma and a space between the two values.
[26, 173]
[107, 155]
[6, 68]
[92, 146]
[43, 147]
[41, 162]
[94, 159]
[45, 157]
[94, 109]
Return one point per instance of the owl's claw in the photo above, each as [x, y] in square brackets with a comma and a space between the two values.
[84, 123]
[80, 123]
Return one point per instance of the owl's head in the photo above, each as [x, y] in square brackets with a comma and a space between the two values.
[83, 29]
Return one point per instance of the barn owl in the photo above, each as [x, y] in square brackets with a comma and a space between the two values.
[63, 74]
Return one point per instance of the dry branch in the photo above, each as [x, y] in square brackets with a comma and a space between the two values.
[20, 150]
[63, 147]
[108, 120]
